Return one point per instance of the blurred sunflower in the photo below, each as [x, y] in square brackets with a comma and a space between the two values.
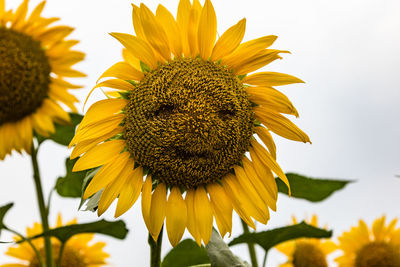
[77, 251]
[375, 247]
[184, 115]
[306, 252]
[35, 59]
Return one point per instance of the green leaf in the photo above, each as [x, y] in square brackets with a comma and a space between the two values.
[115, 229]
[71, 184]
[220, 255]
[311, 189]
[63, 133]
[186, 253]
[271, 238]
[3, 210]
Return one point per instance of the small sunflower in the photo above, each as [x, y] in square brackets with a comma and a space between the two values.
[184, 116]
[35, 59]
[375, 247]
[79, 251]
[306, 252]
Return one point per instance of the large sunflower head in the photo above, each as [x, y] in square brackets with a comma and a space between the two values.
[378, 246]
[79, 251]
[306, 252]
[35, 60]
[184, 115]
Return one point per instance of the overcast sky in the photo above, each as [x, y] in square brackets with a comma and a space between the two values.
[347, 51]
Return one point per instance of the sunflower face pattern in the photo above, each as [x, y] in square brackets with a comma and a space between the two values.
[364, 247]
[79, 251]
[305, 252]
[184, 115]
[35, 59]
[189, 121]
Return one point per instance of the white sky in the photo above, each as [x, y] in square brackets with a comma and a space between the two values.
[346, 51]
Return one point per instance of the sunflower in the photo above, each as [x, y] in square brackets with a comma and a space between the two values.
[305, 252]
[35, 59]
[79, 251]
[375, 247]
[184, 115]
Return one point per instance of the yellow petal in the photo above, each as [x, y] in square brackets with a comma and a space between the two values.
[272, 99]
[123, 71]
[182, 19]
[112, 83]
[67, 72]
[378, 227]
[154, 32]
[222, 207]
[203, 214]
[106, 174]
[146, 201]
[229, 41]
[137, 24]
[36, 12]
[2, 8]
[43, 123]
[237, 199]
[176, 216]
[60, 82]
[101, 110]
[255, 62]
[113, 189]
[130, 192]
[55, 110]
[267, 160]
[266, 137]
[207, 30]
[271, 79]
[249, 49]
[171, 29]
[192, 225]
[252, 195]
[130, 58]
[265, 175]
[139, 48]
[99, 129]
[157, 210]
[54, 34]
[192, 31]
[280, 125]
[20, 14]
[99, 155]
[86, 145]
[263, 193]
[70, 58]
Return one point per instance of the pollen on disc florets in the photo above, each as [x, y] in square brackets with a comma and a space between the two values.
[189, 121]
[378, 254]
[71, 257]
[24, 75]
[307, 254]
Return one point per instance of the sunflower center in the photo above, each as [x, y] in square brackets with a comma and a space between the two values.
[188, 121]
[378, 254]
[24, 75]
[71, 257]
[307, 254]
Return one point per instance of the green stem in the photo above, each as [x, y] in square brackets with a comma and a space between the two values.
[265, 258]
[60, 254]
[24, 239]
[42, 206]
[155, 250]
[252, 250]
